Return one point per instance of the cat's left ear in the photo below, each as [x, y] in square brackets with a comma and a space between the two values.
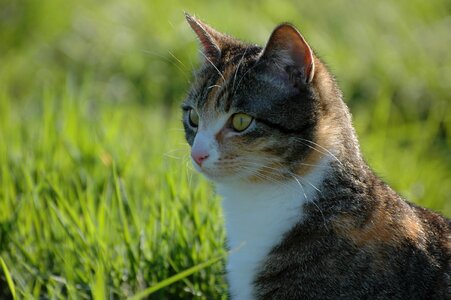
[287, 47]
[209, 38]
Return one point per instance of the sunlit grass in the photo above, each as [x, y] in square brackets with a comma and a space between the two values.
[99, 201]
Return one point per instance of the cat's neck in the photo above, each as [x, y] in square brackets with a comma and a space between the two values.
[258, 215]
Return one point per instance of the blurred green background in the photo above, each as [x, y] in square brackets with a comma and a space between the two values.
[97, 197]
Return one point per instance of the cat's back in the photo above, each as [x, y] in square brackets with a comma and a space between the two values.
[383, 248]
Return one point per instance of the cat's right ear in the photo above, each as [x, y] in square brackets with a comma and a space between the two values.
[287, 47]
[208, 37]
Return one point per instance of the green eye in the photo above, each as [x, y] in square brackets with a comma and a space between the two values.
[241, 121]
[193, 118]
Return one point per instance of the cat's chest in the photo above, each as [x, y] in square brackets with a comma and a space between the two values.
[257, 217]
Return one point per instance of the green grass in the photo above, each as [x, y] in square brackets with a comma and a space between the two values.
[97, 196]
[98, 200]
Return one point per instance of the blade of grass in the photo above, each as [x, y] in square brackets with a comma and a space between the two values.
[123, 221]
[175, 278]
[98, 287]
[9, 280]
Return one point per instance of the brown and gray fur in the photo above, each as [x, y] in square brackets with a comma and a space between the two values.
[359, 239]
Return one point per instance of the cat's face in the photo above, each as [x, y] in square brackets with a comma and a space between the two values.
[250, 110]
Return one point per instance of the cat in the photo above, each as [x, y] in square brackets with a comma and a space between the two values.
[305, 216]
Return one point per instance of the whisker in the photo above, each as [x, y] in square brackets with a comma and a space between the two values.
[267, 178]
[242, 77]
[313, 201]
[262, 167]
[310, 146]
[188, 165]
[172, 156]
[175, 129]
[302, 187]
[269, 160]
[284, 184]
[177, 59]
[313, 186]
[318, 145]
[175, 150]
[261, 175]
[214, 85]
[184, 72]
[214, 66]
[237, 68]
[297, 178]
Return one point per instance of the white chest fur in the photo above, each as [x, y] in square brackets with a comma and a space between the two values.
[256, 217]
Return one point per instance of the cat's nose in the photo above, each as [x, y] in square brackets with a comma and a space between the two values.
[199, 157]
[200, 150]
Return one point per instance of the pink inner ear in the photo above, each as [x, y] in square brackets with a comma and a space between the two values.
[210, 48]
[286, 45]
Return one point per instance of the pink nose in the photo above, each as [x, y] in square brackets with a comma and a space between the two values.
[200, 150]
[199, 157]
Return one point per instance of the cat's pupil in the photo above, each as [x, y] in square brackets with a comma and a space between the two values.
[241, 121]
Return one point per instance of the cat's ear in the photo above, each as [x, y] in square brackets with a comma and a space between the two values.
[287, 47]
[209, 38]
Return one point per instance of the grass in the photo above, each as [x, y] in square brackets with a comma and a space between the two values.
[97, 196]
[91, 205]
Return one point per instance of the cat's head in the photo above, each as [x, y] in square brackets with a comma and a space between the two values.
[254, 113]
